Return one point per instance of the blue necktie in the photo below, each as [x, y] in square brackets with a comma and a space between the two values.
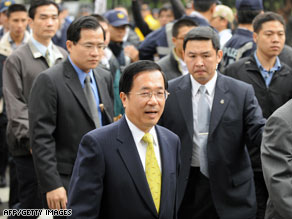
[203, 129]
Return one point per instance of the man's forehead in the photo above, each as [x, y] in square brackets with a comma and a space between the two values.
[47, 10]
[18, 13]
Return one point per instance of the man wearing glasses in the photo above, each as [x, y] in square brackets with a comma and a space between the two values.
[129, 169]
[66, 102]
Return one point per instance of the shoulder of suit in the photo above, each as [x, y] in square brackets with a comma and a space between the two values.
[103, 72]
[176, 81]
[284, 112]
[20, 52]
[164, 60]
[166, 131]
[234, 83]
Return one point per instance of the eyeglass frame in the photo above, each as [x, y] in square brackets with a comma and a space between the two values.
[100, 47]
[149, 95]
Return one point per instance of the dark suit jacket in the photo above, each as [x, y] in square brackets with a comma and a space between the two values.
[109, 181]
[236, 120]
[169, 66]
[58, 117]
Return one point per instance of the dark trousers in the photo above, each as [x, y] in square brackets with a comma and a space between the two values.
[3, 149]
[262, 194]
[13, 184]
[197, 202]
[29, 195]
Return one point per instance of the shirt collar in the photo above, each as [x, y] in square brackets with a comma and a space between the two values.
[276, 67]
[181, 64]
[41, 48]
[81, 74]
[210, 85]
[138, 133]
[25, 38]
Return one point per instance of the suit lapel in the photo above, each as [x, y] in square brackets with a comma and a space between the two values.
[130, 156]
[166, 171]
[73, 82]
[220, 103]
[102, 90]
[184, 98]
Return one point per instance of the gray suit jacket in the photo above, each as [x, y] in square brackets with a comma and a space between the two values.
[59, 116]
[19, 72]
[276, 153]
[169, 66]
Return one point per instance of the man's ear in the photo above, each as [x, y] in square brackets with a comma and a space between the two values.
[69, 45]
[123, 98]
[255, 37]
[30, 22]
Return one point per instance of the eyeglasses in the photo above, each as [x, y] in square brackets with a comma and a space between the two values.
[159, 95]
[91, 47]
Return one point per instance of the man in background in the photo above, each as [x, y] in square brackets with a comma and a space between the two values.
[173, 64]
[16, 36]
[271, 79]
[19, 72]
[67, 101]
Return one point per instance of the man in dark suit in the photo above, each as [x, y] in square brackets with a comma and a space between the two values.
[173, 65]
[118, 172]
[66, 102]
[215, 117]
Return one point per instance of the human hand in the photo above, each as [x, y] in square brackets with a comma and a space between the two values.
[57, 198]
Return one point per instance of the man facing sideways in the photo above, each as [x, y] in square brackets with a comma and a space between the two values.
[215, 117]
[19, 72]
[66, 102]
[129, 169]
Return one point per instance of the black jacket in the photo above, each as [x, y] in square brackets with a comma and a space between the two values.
[271, 98]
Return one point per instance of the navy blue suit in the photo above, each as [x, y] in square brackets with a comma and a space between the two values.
[236, 121]
[109, 180]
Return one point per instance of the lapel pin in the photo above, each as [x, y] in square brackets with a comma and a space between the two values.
[222, 101]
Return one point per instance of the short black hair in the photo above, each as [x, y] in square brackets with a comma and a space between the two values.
[203, 33]
[247, 16]
[183, 22]
[165, 7]
[100, 18]
[15, 8]
[203, 6]
[83, 22]
[38, 3]
[266, 17]
[126, 80]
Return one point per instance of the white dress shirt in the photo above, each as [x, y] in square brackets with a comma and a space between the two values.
[141, 145]
[210, 91]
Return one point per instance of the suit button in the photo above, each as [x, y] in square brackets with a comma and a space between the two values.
[187, 178]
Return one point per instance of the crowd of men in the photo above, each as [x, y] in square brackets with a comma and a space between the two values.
[175, 116]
